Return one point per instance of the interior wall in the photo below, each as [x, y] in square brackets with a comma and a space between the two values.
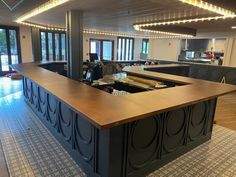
[230, 52]
[164, 49]
[26, 44]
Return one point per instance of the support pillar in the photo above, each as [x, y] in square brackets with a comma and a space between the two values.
[36, 50]
[74, 41]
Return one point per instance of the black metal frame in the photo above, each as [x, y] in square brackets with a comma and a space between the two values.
[53, 44]
[127, 41]
[7, 28]
[145, 41]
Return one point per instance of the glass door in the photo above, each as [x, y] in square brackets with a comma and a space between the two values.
[103, 48]
[9, 48]
[3, 51]
[107, 52]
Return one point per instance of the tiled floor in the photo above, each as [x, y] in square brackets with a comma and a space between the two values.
[8, 86]
[31, 150]
[215, 158]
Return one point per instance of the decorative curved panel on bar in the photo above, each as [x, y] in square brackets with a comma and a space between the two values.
[175, 124]
[198, 121]
[71, 127]
[144, 142]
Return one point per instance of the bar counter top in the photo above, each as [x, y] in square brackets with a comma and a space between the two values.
[105, 110]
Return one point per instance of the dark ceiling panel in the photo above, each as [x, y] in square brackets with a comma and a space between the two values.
[227, 4]
[174, 29]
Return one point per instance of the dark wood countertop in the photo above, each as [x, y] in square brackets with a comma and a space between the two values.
[105, 110]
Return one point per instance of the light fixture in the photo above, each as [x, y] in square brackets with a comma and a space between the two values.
[233, 27]
[106, 33]
[138, 28]
[40, 9]
[173, 22]
[197, 3]
[210, 7]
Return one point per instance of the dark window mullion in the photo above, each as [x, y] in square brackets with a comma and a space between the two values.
[133, 49]
[125, 57]
[53, 46]
[8, 47]
[101, 49]
[128, 43]
[47, 51]
[60, 47]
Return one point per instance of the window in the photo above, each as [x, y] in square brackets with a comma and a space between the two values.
[145, 46]
[53, 45]
[125, 49]
[103, 48]
[9, 48]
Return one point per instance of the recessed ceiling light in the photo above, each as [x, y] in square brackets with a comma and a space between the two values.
[40, 9]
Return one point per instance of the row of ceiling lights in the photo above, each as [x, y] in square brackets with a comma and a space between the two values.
[97, 32]
[139, 27]
[197, 3]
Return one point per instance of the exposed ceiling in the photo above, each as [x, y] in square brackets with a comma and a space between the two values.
[120, 15]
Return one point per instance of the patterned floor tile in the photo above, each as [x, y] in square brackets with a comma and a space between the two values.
[29, 148]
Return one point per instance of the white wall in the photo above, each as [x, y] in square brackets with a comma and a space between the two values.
[230, 52]
[164, 49]
[26, 44]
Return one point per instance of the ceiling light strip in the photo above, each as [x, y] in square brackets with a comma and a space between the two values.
[210, 7]
[106, 33]
[162, 32]
[40, 9]
[174, 22]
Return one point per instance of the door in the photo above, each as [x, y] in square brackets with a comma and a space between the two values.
[9, 49]
[103, 48]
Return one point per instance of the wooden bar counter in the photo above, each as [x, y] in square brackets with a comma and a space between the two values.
[123, 136]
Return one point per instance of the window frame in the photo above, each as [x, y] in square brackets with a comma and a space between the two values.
[123, 50]
[53, 44]
[8, 43]
[146, 42]
[101, 48]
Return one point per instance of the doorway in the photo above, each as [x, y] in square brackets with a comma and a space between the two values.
[9, 48]
[103, 48]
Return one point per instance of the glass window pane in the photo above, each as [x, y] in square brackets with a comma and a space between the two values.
[119, 49]
[3, 50]
[123, 49]
[63, 46]
[145, 46]
[43, 46]
[107, 50]
[93, 47]
[57, 52]
[131, 49]
[50, 47]
[13, 47]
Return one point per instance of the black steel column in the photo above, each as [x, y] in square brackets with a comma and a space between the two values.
[74, 42]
